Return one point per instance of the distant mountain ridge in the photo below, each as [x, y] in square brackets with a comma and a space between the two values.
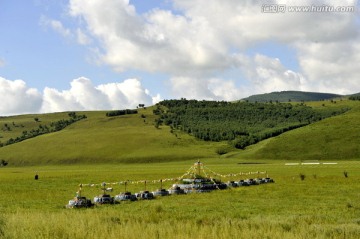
[297, 96]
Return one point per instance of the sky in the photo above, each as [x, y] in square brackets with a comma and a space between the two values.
[73, 55]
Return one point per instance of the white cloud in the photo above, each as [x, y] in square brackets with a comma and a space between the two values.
[157, 41]
[332, 66]
[56, 26]
[208, 89]
[268, 74]
[129, 92]
[83, 95]
[226, 89]
[206, 38]
[242, 23]
[191, 88]
[82, 38]
[77, 35]
[201, 40]
[17, 98]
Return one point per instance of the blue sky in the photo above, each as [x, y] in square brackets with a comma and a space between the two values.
[87, 55]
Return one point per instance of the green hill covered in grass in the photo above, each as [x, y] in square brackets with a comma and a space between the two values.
[291, 96]
[100, 139]
[135, 139]
[334, 138]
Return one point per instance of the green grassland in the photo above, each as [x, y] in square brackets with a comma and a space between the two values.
[112, 149]
[101, 139]
[334, 138]
[132, 138]
[324, 205]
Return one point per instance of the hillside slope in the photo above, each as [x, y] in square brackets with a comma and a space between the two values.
[134, 139]
[334, 138]
[295, 96]
[101, 139]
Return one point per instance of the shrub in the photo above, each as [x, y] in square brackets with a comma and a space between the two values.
[3, 163]
[222, 150]
[120, 112]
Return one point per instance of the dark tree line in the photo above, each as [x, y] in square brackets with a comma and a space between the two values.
[121, 112]
[44, 129]
[354, 97]
[240, 123]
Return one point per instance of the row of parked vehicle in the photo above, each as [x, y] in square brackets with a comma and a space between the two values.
[189, 186]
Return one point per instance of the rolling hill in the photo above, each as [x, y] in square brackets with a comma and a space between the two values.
[294, 96]
[134, 139]
[334, 138]
[101, 139]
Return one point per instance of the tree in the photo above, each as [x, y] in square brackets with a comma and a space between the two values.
[72, 114]
[3, 163]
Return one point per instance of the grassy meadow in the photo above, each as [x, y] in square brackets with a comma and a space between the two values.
[101, 139]
[323, 205]
[112, 149]
[334, 138]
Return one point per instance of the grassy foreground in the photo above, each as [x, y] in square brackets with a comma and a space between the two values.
[324, 205]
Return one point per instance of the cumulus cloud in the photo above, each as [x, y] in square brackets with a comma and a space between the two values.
[331, 66]
[269, 74]
[83, 95]
[157, 41]
[207, 89]
[242, 23]
[17, 98]
[205, 38]
[191, 88]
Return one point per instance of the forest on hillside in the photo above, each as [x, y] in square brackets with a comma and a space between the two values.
[240, 123]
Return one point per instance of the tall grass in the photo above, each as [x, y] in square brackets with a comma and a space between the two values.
[113, 224]
[323, 207]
